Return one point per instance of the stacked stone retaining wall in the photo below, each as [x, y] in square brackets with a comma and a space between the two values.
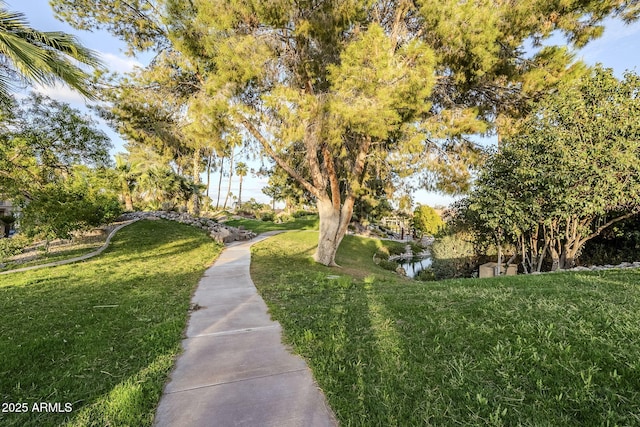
[219, 232]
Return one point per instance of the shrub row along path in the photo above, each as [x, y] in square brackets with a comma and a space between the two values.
[234, 370]
[76, 259]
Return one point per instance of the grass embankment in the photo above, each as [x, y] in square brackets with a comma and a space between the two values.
[102, 334]
[46, 258]
[58, 252]
[546, 350]
[309, 222]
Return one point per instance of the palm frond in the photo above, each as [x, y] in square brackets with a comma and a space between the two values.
[43, 57]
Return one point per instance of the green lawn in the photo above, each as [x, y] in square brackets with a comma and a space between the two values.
[53, 256]
[309, 222]
[101, 335]
[545, 350]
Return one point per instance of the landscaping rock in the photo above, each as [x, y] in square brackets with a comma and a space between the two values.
[219, 232]
[580, 268]
[222, 235]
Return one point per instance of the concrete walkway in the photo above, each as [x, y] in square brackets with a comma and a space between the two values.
[76, 259]
[234, 370]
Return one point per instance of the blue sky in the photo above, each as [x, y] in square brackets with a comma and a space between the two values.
[618, 48]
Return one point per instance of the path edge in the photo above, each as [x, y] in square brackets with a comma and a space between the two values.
[76, 259]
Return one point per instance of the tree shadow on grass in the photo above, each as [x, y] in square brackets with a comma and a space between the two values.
[338, 325]
[77, 345]
[552, 350]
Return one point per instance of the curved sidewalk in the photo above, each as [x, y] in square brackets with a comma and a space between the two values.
[76, 259]
[234, 370]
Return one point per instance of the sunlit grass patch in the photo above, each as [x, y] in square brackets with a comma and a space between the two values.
[309, 222]
[102, 334]
[556, 349]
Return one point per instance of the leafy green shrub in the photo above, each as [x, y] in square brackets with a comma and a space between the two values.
[283, 217]
[251, 209]
[396, 249]
[267, 216]
[247, 213]
[12, 246]
[453, 256]
[56, 212]
[7, 219]
[302, 213]
[426, 275]
[415, 248]
[388, 265]
[619, 243]
[382, 253]
[426, 220]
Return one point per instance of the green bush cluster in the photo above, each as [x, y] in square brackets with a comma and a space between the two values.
[252, 208]
[12, 246]
[415, 248]
[58, 211]
[300, 213]
[426, 275]
[397, 249]
[283, 217]
[388, 265]
[267, 216]
[426, 221]
[620, 243]
[382, 253]
[453, 256]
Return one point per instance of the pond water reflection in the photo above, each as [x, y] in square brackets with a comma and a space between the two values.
[413, 266]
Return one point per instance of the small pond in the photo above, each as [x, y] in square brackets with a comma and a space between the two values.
[413, 266]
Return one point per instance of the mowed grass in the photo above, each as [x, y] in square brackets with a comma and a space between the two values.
[52, 257]
[546, 350]
[102, 334]
[309, 222]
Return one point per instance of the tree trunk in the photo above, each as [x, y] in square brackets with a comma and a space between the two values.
[569, 252]
[526, 260]
[126, 196]
[240, 192]
[334, 221]
[195, 198]
[209, 160]
[555, 258]
[226, 198]
[128, 202]
[220, 182]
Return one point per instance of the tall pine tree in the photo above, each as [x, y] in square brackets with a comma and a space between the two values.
[359, 83]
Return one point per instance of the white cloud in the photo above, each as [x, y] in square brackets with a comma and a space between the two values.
[61, 93]
[614, 47]
[616, 29]
[119, 64]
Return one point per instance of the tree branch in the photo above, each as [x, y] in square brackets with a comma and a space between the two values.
[283, 164]
[607, 224]
[311, 146]
[333, 177]
[401, 10]
[359, 164]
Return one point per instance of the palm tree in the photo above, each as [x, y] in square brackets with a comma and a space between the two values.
[29, 55]
[127, 176]
[161, 186]
[226, 199]
[241, 170]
